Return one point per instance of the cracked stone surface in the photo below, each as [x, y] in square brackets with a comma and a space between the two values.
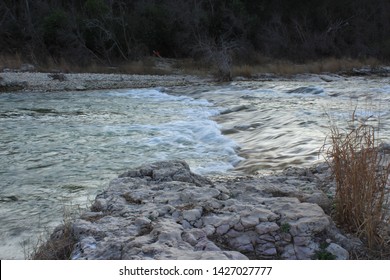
[164, 211]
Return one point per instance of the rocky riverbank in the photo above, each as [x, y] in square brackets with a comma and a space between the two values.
[50, 82]
[27, 79]
[164, 211]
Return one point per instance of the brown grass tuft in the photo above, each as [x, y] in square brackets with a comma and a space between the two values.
[146, 66]
[243, 71]
[361, 177]
[190, 66]
[59, 244]
[288, 68]
[10, 61]
[58, 247]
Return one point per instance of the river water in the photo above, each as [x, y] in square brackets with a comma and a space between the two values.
[284, 123]
[58, 150]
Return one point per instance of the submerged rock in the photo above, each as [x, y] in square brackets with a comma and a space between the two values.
[164, 211]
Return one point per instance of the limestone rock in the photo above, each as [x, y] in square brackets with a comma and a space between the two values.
[339, 252]
[27, 68]
[167, 171]
[164, 211]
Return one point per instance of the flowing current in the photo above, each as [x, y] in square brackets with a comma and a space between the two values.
[58, 150]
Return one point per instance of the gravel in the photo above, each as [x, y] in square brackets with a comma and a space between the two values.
[34, 81]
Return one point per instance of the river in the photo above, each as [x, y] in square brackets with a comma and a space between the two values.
[58, 150]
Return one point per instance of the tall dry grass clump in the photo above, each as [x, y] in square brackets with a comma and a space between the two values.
[58, 247]
[59, 244]
[361, 176]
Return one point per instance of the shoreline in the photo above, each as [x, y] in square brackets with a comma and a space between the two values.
[165, 211]
[47, 82]
[24, 81]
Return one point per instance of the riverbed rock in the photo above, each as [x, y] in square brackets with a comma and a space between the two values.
[27, 68]
[8, 86]
[164, 211]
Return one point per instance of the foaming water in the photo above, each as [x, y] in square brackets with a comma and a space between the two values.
[60, 149]
[284, 123]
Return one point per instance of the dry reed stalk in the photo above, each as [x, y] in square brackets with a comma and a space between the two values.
[59, 244]
[361, 191]
[58, 247]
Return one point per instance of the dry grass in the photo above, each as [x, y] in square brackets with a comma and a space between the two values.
[192, 67]
[245, 71]
[288, 68]
[58, 247]
[10, 61]
[146, 66]
[361, 178]
[255, 65]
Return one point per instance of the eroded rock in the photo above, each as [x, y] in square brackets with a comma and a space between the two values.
[164, 211]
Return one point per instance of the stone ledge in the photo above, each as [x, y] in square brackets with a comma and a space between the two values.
[164, 211]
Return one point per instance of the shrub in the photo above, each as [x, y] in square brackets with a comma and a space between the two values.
[361, 176]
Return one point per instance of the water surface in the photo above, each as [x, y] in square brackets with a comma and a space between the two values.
[284, 123]
[58, 150]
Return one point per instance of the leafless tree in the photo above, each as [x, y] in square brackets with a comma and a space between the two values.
[219, 51]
